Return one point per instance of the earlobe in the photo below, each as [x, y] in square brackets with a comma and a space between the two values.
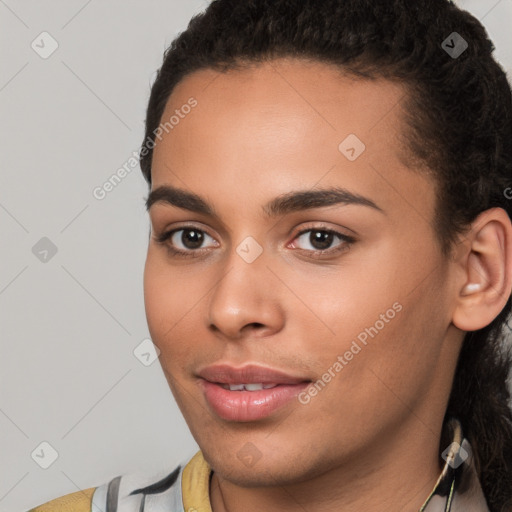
[487, 276]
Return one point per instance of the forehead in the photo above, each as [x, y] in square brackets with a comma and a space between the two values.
[303, 89]
[289, 122]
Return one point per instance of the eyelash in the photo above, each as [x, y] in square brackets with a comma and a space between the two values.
[195, 253]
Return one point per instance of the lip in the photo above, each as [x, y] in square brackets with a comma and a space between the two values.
[244, 406]
[248, 374]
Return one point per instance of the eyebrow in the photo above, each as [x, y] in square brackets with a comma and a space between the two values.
[281, 205]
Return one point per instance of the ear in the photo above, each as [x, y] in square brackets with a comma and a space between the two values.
[486, 281]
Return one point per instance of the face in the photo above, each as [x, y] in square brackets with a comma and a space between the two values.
[341, 301]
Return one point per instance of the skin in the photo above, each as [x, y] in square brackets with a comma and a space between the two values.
[262, 132]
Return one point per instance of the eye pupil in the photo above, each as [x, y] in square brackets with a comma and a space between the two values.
[191, 238]
[323, 238]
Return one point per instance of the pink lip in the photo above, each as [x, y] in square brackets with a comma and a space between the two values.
[248, 374]
[248, 405]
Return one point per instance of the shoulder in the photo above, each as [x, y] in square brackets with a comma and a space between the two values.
[76, 501]
[124, 493]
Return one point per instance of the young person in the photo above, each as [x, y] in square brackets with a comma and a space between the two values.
[329, 271]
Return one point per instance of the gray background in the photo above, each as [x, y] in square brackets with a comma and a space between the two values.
[70, 324]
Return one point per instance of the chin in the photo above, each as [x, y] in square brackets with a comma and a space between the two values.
[261, 475]
[273, 467]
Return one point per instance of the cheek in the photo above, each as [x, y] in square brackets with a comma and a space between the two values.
[359, 301]
[394, 368]
[174, 300]
[165, 300]
[388, 330]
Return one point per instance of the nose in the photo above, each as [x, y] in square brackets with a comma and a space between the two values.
[245, 301]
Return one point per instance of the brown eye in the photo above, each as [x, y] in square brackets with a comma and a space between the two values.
[322, 239]
[190, 238]
[186, 241]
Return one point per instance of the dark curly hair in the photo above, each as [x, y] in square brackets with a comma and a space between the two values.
[459, 117]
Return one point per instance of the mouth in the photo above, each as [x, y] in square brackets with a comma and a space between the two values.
[249, 402]
[248, 375]
[247, 387]
[248, 393]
